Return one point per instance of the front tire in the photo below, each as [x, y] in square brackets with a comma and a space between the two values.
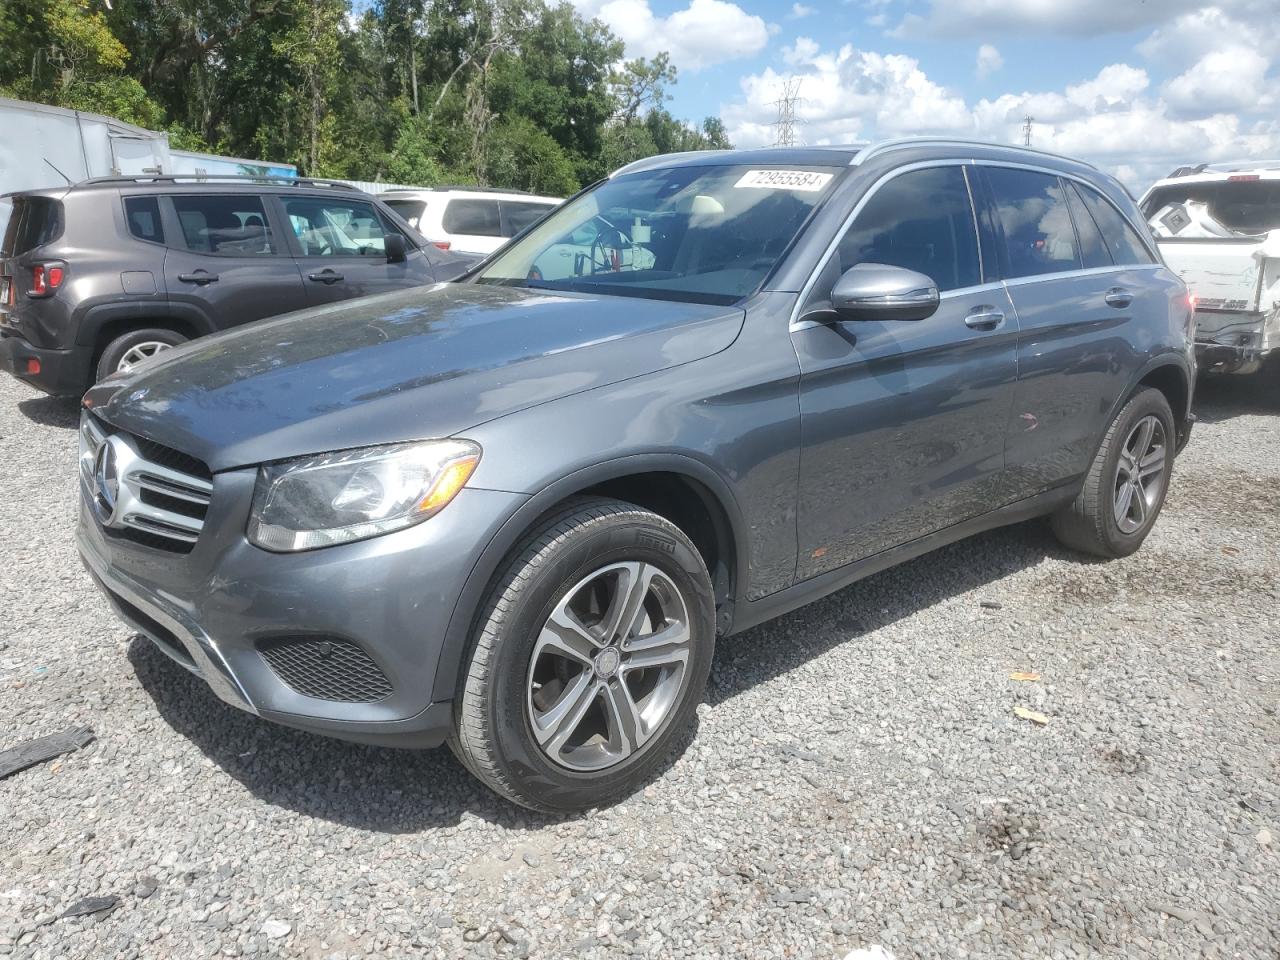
[590, 655]
[1127, 483]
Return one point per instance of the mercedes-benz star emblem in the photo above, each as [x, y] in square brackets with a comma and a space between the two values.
[106, 479]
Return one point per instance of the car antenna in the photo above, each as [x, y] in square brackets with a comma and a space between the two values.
[70, 183]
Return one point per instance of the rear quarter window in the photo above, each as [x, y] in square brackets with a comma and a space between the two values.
[143, 216]
[1122, 240]
[33, 222]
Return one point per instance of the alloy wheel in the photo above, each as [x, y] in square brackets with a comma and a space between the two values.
[139, 352]
[1140, 474]
[609, 666]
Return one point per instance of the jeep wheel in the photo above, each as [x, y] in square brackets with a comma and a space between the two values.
[1126, 486]
[127, 350]
[590, 658]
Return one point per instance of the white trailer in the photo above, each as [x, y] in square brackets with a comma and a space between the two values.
[42, 146]
[1218, 227]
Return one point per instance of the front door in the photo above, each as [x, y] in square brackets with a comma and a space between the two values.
[903, 422]
[226, 260]
[338, 242]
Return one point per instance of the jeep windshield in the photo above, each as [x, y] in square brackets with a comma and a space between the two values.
[705, 234]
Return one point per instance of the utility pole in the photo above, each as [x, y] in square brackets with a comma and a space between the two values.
[786, 122]
[1026, 129]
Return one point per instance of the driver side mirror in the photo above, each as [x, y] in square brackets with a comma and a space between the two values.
[394, 247]
[877, 291]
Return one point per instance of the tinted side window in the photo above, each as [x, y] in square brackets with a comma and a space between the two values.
[227, 225]
[922, 221]
[335, 228]
[1093, 250]
[478, 218]
[522, 214]
[143, 214]
[410, 210]
[1122, 239]
[1037, 225]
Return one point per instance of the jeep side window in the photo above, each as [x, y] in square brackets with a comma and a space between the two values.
[1125, 244]
[1038, 235]
[143, 214]
[335, 228]
[921, 220]
[229, 226]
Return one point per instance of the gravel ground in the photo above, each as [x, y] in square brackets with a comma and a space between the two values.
[858, 776]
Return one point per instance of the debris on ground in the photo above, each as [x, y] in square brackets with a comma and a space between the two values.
[1026, 676]
[1028, 714]
[91, 905]
[39, 750]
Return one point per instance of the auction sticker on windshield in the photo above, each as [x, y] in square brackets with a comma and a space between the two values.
[802, 180]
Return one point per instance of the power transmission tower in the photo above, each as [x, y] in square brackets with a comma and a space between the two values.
[1026, 129]
[786, 104]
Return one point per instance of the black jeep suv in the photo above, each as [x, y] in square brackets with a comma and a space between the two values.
[100, 275]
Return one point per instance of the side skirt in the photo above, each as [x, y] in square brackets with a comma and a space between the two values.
[749, 614]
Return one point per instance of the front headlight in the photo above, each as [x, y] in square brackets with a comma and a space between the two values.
[354, 494]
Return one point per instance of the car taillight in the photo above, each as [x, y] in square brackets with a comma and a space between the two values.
[1243, 178]
[46, 278]
[442, 244]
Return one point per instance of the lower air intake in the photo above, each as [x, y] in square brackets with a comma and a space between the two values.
[327, 668]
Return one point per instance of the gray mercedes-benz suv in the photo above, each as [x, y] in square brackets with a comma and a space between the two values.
[515, 512]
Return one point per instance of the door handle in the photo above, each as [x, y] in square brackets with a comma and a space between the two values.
[325, 276]
[983, 318]
[200, 277]
[1119, 298]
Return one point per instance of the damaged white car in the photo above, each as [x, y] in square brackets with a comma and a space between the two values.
[1218, 226]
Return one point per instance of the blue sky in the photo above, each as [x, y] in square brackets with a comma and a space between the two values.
[1137, 86]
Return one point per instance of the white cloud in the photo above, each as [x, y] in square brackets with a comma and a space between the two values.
[799, 11]
[989, 60]
[704, 33]
[1116, 118]
[1233, 78]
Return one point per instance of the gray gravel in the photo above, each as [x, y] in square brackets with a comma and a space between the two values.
[858, 777]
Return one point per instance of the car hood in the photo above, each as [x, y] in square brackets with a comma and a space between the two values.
[414, 364]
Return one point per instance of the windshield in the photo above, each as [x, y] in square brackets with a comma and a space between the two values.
[1208, 210]
[707, 234]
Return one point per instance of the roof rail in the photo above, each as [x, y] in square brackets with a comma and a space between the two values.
[471, 188]
[902, 143]
[216, 178]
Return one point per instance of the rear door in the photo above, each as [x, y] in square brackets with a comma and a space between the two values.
[1076, 307]
[338, 242]
[227, 259]
[903, 422]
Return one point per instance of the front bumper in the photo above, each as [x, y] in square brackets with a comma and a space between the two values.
[393, 596]
[62, 373]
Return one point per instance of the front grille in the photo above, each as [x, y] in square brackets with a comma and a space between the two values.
[327, 668]
[142, 491]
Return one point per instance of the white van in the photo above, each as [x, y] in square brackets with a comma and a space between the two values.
[468, 219]
[1218, 226]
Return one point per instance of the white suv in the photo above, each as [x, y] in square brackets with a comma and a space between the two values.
[468, 220]
[1218, 226]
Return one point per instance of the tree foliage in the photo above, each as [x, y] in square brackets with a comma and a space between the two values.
[511, 93]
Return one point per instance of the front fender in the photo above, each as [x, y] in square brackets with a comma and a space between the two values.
[524, 517]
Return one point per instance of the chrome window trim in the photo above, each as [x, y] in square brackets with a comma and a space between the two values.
[903, 143]
[1087, 272]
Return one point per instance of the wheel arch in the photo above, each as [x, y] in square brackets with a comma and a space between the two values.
[680, 488]
[1170, 377]
[103, 323]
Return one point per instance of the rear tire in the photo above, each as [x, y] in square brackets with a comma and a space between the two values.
[1127, 483]
[133, 347]
[590, 656]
